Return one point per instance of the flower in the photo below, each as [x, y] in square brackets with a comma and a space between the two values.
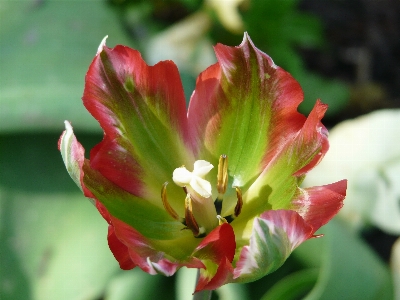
[241, 212]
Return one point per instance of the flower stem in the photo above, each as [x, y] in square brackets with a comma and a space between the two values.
[204, 294]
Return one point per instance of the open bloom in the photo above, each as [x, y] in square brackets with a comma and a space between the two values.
[215, 187]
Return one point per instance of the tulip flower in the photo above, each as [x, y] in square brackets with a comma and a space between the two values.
[214, 187]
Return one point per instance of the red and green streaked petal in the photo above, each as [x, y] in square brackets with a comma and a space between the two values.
[245, 107]
[317, 205]
[277, 184]
[151, 221]
[142, 111]
[132, 249]
[216, 251]
[275, 234]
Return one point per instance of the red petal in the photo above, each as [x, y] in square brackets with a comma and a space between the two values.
[131, 249]
[219, 247]
[144, 255]
[139, 107]
[106, 157]
[223, 275]
[317, 205]
[314, 135]
[218, 244]
[103, 211]
[119, 250]
[292, 223]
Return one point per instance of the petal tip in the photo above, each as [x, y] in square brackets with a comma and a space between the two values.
[102, 44]
[68, 126]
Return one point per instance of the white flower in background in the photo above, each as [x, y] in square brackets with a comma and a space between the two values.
[366, 151]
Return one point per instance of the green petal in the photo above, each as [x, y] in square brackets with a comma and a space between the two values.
[277, 184]
[151, 221]
[245, 107]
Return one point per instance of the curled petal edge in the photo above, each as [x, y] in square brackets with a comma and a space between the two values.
[317, 205]
[73, 155]
[276, 233]
[314, 132]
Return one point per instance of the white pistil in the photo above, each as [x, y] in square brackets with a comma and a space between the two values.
[195, 179]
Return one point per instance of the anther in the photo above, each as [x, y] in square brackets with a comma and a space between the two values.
[239, 204]
[222, 177]
[222, 181]
[166, 204]
[317, 236]
[189, 217]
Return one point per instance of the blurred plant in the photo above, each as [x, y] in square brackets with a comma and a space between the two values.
[395, 265]
[278, 27]
[233, 235]
[366, 151]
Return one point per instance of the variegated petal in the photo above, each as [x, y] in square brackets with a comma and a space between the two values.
[274, 236]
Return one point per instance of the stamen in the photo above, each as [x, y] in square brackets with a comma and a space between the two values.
[221, 220]
[222, 177]
[222, 182]
[189, 217]
[317, 235]
[185, 190]
[239, 204]
[166, 204]
[238, 207]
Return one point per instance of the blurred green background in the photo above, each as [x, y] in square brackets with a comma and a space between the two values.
[53, 242]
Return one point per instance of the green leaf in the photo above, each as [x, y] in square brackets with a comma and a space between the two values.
[44, 53]
[349, 268]
[293, 286]
[54, 242]
[59, 243]
[134, 284]
[395, 266]
[185, 283]
[232, 291]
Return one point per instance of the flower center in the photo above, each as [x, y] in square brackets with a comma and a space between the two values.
[202, 214]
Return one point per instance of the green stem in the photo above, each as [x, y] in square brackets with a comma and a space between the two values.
[204, 294]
